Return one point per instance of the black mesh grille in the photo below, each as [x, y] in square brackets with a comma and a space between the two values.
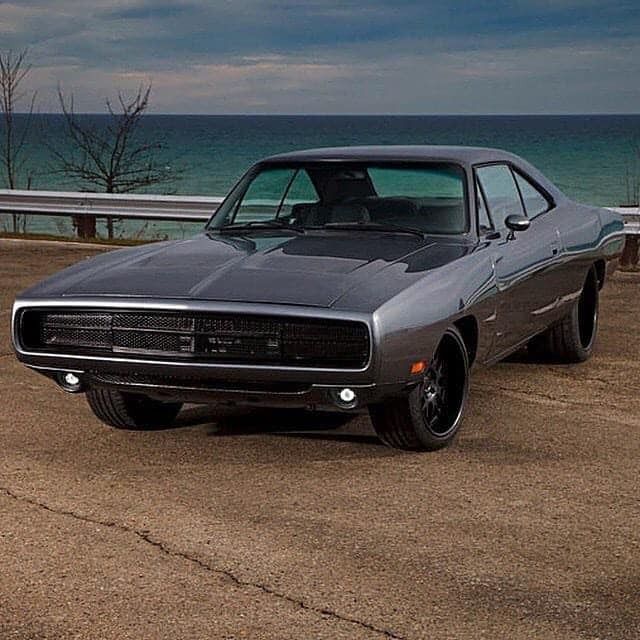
[75, 336]
[89, 320]
[128, 340]
[76, 329]
[155, 321]
[204, 337]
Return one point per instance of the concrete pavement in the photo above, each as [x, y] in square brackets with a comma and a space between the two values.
[228, 527]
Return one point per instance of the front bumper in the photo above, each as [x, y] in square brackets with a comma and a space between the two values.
[191, 381]
[207, 390]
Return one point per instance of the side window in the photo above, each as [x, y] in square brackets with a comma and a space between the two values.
[502, 194]
[484, 222]
[301, 191]
[534, 202]
[262, 199]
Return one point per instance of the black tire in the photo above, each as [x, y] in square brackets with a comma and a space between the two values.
[574, 337]
[429, 417]
[131, 410]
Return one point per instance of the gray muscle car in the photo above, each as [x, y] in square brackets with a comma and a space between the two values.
[333, 279]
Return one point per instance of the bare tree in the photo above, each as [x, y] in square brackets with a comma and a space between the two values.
[112, 158]
[14, 69]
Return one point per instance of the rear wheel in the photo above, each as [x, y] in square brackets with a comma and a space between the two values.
[574, 337]
[429, 417]
[131, 410]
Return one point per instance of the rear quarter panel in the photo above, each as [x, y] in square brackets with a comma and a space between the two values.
[588, 234]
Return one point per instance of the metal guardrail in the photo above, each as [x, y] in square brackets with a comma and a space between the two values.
[631, 217]
[154, 207]
[109, 205]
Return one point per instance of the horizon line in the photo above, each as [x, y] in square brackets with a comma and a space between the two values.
[348, 115]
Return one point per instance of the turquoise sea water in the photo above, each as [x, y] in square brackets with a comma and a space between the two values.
[586, 156]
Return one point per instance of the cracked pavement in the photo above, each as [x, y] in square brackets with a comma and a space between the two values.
[232, 527]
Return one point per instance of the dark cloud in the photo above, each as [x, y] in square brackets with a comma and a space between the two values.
[150, 11]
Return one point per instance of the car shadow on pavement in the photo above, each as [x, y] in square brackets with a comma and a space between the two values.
[234, 422]
[527, 355]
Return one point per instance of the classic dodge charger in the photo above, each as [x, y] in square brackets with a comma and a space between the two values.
[333, 279]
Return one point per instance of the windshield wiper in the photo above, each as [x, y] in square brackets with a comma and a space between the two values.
[374, 226]
[258, 224]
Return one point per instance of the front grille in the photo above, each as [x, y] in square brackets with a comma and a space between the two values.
[206, 337]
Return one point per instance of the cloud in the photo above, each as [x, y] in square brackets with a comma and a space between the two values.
[150, 10]
[335, 56]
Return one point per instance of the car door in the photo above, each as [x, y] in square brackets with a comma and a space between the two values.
[522, 260]
[558, 275]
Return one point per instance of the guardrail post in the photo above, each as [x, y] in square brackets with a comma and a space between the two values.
[85, 226]
[631, 252]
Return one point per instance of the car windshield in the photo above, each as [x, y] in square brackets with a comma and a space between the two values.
[426, 197]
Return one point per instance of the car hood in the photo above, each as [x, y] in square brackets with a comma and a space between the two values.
[314, 269]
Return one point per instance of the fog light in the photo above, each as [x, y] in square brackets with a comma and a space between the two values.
[344, 398]
[71, 379]
[347, 395]
[70, 382]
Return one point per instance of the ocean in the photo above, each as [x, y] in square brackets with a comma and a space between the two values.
[588, 157]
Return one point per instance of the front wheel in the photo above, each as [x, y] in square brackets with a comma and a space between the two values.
[131, 410]
[429, 417]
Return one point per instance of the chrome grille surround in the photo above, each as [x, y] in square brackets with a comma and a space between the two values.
[206, 337]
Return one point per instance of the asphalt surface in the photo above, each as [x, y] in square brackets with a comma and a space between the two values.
[527, 527]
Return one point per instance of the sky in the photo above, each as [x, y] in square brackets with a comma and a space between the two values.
[334, 56]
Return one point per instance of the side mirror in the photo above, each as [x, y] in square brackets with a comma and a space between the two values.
[515, 223]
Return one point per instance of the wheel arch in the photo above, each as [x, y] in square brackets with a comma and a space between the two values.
[601, 269]
[468, 328]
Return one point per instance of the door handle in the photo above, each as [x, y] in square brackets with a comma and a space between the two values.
[556, 244]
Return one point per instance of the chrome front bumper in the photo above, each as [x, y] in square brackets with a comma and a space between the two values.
[197, 381]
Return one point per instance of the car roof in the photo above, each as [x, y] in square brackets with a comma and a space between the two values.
[411, 153]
